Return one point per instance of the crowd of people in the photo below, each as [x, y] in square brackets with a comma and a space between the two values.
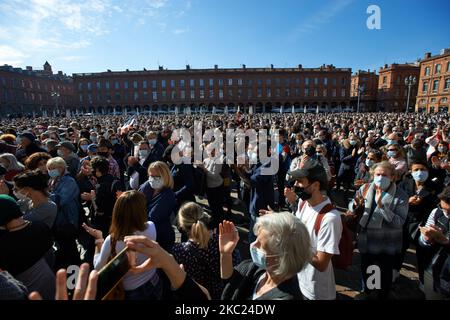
[77, 191]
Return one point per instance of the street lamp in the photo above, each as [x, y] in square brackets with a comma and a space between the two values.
[360, 90]
[55, 95]
[409, 81]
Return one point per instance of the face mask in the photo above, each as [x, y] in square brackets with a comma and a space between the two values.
[53, 173]
[420, 176]
[143, 154]
[352, 142]
[155, 183]
[391, 154]
[84, 147]
[60, 153]
[382, 182]
[114, 142]
[152, 142]
[94, 138]
[103, 154]
[258, 257]
[20, 196]
[302, 194]
[298, 141]
[389, 141]
[369, 163]
[441, 149]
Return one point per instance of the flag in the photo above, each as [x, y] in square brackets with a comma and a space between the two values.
[433, 141]
[129, 123]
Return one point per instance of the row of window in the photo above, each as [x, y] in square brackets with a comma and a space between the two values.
[192, 83]
[30, 84]
[435, 85]
[202, 94]
[437, 69]
[29, 96]
[433, 100]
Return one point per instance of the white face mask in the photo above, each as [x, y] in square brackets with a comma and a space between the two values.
[20, 195]
[156, 183]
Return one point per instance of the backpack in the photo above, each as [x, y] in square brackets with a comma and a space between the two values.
[345, 257]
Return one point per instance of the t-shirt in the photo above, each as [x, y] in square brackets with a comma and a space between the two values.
[130, 281]
[316, 285]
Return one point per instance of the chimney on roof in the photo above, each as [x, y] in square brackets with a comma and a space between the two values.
[428, 55]
[161, 68]
[29, 68]
[60, 73]
[271, 66]
[216, 66]
[188, 67]
[243, 66]
[300, 66]
[109, 70]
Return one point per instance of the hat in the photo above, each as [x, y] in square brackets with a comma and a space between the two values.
[9, 209]
[67, 145]
[313, 174]
[92, 147]
[27, 135]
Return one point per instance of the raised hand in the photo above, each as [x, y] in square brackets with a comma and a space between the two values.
[86, 285]
[228, 237]
[97, 234]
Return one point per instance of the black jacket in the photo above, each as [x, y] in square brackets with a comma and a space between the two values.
[242, 283]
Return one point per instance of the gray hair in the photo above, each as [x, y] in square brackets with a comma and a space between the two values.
[57, 162]
[288, 238]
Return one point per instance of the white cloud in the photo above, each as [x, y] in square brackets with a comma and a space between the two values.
[71, 58]
[46, 28]
[180, 31]
[12, 56]
[321, 17]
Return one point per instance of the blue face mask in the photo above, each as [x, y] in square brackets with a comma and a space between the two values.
[420, 175]
[258, 257]
[114, 142]
[391, 154]
[84, 147]
[382, 182]
[369, 163]
[53, 173]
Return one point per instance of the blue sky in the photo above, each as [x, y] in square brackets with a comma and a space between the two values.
[95, 35]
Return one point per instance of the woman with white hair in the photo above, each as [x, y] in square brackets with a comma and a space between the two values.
[281, 250]
[12, 166]
[64, 191]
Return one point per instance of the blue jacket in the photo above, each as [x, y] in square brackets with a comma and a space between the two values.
[183, 178]
[262, 190]
[66, 195]
[160, 209]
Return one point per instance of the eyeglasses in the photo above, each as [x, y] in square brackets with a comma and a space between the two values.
[392, 150]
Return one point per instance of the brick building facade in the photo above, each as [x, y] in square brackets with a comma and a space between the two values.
[34, 92]
[434, 83]
[392, 91]
[257, 89]
[368, 99]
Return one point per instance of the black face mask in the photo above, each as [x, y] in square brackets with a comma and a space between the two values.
[310, 151]
[103, 154]
[302, 194]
